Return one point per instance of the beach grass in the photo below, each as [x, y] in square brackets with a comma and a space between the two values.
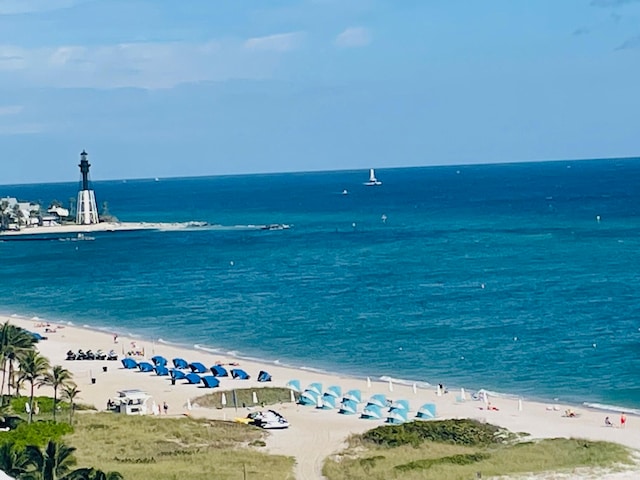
[388, 452]
[146, 447]
[244, 397]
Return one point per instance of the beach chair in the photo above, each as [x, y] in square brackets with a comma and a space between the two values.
[193, 378]
[145, 367]
[219, 371]
[177, 374]
[239, 374]
[197, 367]
[159, 361]
[129, 363]
[210, 381]
[161, 370]
[180, 363]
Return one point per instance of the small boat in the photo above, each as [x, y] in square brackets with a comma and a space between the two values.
[373, 181]
[275, 226]
[269, 420]
[345, 192]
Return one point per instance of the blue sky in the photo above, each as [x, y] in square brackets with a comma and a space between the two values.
[158, 88]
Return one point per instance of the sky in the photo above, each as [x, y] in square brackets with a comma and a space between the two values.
[160, 88]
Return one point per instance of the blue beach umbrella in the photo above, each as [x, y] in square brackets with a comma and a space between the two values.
[400, 404]
[328, 402]
[379, 399]
[354, 395]
[315, 387]
[348, 407]
[397, 416]
[334, 391]
[309, 397]
[294, 385]
[427, 411]
[159, 361]
[371, 412]
[219, 371]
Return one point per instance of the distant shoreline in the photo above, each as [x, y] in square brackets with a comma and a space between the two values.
[97, 227]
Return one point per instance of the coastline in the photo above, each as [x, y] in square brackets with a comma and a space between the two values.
[314, 434]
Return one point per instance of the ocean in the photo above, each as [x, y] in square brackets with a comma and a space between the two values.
[518, 278]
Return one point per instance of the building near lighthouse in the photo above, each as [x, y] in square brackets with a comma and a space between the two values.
[87, 210]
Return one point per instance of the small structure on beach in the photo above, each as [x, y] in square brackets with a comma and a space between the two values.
[87, 211]
[132, 402]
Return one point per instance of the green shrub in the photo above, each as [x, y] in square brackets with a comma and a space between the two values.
[38, 433]
[456, 432]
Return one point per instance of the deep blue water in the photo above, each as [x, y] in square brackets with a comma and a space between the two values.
[494, 276]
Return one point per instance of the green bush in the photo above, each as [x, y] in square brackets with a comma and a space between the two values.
[38, 433]
[456, 432]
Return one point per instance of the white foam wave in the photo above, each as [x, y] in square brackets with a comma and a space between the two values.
[492, 393]
[404, 381]
[207, 349]
[612, 408]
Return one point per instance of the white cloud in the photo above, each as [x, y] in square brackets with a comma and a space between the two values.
[145, 64]
[11, 109]
[16, 7]
[281, 42]
[354, 37]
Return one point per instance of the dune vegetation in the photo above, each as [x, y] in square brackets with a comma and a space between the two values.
[462, 449]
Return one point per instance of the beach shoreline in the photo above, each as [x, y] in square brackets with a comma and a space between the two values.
[314, 433]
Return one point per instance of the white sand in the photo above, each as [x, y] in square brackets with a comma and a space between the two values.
[92, 228]
[314, 434]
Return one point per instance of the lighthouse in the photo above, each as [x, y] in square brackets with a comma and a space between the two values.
[87, 210]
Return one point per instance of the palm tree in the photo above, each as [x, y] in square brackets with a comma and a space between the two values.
[54, 463]
[33, 367]
[56, 378]
[13, 342]
[13, 461]
[69, 393]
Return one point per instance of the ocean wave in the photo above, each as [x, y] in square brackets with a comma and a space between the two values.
[207, 349]
[492, 393]
[404, 381]
[612, 408]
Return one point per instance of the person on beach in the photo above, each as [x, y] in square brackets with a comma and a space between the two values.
[607, 422]
[623, 420]
[165, 407]
[115, 338]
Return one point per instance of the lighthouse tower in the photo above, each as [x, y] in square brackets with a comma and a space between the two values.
[87, 211]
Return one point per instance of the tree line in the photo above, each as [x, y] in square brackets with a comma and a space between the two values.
[22, 365]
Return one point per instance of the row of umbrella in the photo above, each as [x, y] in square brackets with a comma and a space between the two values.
[377, 407]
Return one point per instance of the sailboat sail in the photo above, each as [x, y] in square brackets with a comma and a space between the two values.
[372, 179]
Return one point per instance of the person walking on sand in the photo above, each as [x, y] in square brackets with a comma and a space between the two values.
[115, 338]
[623, 420]
[165, 407]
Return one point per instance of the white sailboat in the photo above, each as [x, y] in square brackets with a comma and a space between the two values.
[373, 181]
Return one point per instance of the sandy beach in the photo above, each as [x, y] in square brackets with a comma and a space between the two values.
[314, 434]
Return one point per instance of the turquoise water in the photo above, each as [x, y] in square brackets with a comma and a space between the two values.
[495, 276]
